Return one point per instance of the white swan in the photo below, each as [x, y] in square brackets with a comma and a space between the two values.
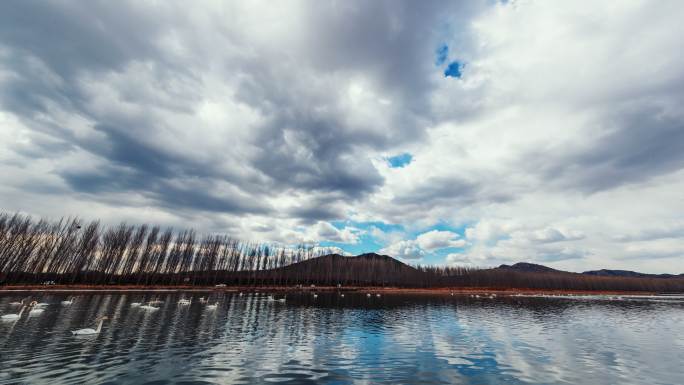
[35, 308]
[17, 303]
[240, 294]
[377, 295]
[149, 307]
[68, 301]
[135, 304]
[368, 295]
[342, 295]
[40, 304]
[212, 307]
[203, 300]
[12, 317]
[282, 300]
[89, 331]
[315, 295]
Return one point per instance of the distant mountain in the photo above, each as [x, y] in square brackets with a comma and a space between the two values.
[529, 268]
[627, 273]
[535, 268]
[366, 260]
[364, 269]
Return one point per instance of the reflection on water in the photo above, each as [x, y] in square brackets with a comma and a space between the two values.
[392, 339]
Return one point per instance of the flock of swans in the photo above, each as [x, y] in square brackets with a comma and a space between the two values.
[35, 308]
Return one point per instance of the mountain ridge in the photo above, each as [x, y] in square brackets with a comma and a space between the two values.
[537, 268]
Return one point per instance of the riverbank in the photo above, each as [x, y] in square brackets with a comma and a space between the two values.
[293, 289]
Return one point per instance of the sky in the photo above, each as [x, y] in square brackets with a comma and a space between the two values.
[452, 133]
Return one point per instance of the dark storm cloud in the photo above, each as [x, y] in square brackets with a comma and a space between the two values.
[321, 208]
[71, 37]
[67, 39]
[184, 194]
[641, 143]
[51, 46]
[55, 51]
[384, 43]
[451, 191]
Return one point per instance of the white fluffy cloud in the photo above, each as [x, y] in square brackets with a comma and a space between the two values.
[408, 250]
[436, 239]
[424, 244]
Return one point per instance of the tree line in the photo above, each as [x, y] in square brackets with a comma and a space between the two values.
[554, 280]
[71, 251]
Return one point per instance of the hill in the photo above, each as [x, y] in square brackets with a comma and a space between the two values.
[364, 269]
[628, 273]
[528, 267]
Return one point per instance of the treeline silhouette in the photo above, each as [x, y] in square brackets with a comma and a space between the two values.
[71, 251]
[498, 278]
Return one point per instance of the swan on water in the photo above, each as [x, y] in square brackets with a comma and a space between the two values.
[89, 331]
[368, 295]
[315, 295]
[149, 307]
[377, 295]
[135, 304]
[12, 317]
[203, 300]
[68, 301]
[342, 295]
[282, 300]
[17, 303]
[212, 307]
[35, 308]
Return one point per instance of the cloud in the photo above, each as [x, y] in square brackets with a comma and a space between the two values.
[560, 142]
[408, 250]
[441, 54]
[327, 232]
[436, 239]
[673, 229]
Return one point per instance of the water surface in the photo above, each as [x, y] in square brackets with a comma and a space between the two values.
[393, 339]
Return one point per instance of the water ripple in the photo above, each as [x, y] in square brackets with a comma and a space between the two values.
[389, 340]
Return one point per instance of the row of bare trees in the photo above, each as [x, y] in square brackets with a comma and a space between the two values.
[70, 251]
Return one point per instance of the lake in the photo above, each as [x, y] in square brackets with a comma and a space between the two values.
[392, 339]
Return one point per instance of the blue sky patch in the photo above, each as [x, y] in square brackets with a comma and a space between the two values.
[453, 70]
[441, 54]
[400, 160]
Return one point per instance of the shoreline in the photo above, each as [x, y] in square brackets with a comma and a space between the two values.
[293, 289]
